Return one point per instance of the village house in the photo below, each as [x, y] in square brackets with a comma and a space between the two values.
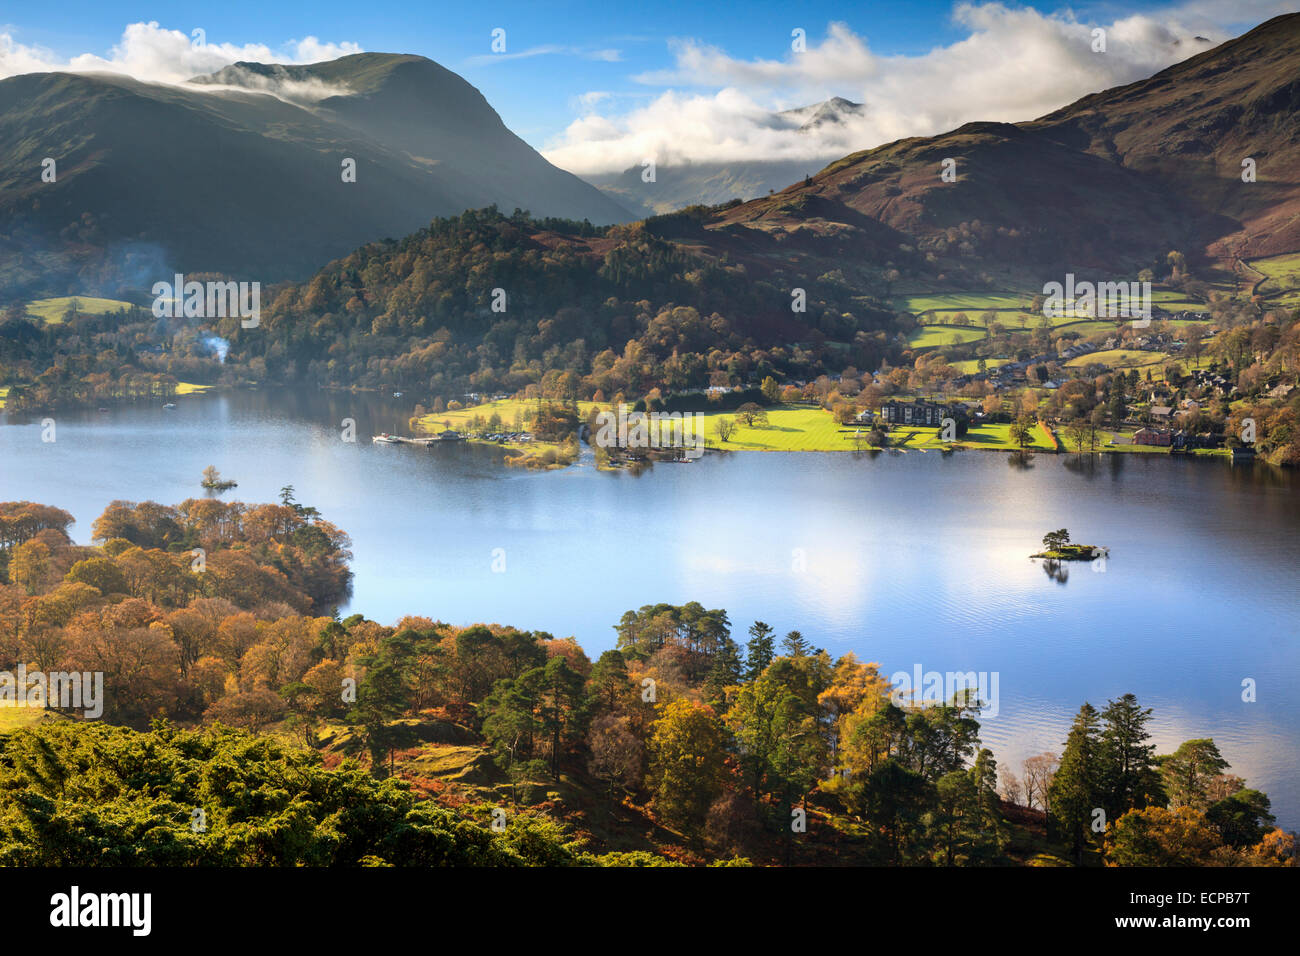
[1184, 440]
[1152, 436]
[917, 412]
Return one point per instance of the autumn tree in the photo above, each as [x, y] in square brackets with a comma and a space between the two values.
[29, 565]
[750, 412]
[1022, 431]
[1038, 773]
[1078, 432]
[100, 573]
[615, 753]
[1156, 836]
[687, 763]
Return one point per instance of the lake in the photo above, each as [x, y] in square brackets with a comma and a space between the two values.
[911, 560]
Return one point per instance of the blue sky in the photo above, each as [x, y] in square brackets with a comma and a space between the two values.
[606, 60]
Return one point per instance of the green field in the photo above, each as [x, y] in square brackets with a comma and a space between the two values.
[1008, 317]
[813, 429]
[968, 302]
[933, 336]
[789, 428]
[1120, 358]
[1165, 297]
[51, 310]
[1278, 267]
[1180, 305]
[4, 392]
[1011, 308]
[971, 366]
[1281, 286]
[998, 437]
[795, 428]
[1089, 327]
[189, 388]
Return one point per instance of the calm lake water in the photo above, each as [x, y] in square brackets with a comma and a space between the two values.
[906, 559]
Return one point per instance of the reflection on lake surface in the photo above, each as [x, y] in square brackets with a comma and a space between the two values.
[906, 559]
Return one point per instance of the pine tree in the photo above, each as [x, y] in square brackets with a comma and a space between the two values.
[795, 645]
[608, 681]
[1188, 771]
[1076, 789]
[761, 650]
[1129, 776]
[724, 672]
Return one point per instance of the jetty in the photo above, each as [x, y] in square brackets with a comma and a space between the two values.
[386, 439]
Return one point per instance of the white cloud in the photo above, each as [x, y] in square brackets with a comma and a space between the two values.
[587, 101]
[1013, 64]
[604, 56]
[149, 52]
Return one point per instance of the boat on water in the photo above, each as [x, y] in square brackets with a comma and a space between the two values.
[170, 405]
[384, 439]
[397, 394]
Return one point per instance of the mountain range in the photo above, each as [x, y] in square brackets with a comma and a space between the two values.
[241, 172]
[1107, 182]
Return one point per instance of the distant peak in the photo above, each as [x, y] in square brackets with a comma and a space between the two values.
[356, 73]
[830, 112]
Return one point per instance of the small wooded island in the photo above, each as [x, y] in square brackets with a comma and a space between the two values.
[213, 481]
[1057, 547]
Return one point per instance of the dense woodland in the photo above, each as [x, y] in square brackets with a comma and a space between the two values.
[210, 616]
[644, 312]
[621, 309]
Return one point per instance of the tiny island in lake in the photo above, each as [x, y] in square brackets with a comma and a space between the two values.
[1057, 547]
[213, 481]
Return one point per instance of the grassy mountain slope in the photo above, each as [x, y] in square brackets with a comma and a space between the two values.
[222, 176]
[1112, 180]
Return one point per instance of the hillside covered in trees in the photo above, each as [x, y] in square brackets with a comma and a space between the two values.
[246, 723]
